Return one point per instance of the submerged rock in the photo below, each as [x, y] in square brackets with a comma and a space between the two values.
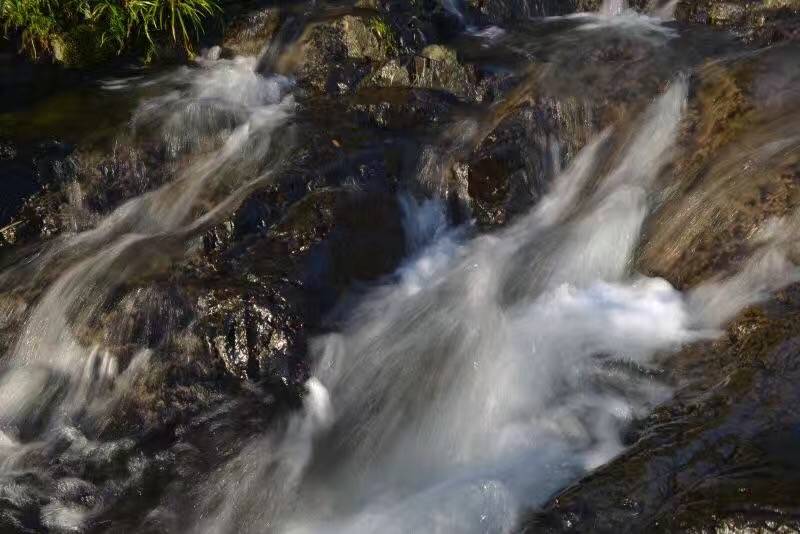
[740, 170]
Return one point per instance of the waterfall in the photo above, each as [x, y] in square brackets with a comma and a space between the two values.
[482, 368]
[613, 8]
[492, 373]
[54, 382]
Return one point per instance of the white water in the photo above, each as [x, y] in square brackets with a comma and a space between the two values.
[56, 387]
[492, 373]
[613, 8]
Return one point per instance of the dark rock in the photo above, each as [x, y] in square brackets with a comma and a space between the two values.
[259, 300]
[26, 170]
[512, 166]
[403, 107]
[64, 189]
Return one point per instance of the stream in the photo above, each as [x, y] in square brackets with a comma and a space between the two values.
[245, 304]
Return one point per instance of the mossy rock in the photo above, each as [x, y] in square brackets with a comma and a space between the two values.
[437, 67]
[370, 38]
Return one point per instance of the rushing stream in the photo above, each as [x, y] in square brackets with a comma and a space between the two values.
[467, 385]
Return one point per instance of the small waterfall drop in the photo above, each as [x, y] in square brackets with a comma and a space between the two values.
[492, 373]
[58, 386]
[613, 8]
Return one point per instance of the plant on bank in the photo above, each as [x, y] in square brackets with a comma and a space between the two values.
[85, 31]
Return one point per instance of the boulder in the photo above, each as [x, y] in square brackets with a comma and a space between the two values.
[333, 56]
[260, 299]
[250, 33]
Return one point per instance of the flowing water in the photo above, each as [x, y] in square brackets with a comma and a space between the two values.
[487, 372]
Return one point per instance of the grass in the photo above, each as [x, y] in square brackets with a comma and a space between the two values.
[106, 25]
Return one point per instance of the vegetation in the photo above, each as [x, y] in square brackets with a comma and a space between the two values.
[94, 28]
[384, 33]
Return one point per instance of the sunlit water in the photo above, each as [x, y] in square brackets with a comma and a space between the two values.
[492, 372]
[489, 372]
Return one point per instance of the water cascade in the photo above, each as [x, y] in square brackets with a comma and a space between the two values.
[455, 279]
[492, 372]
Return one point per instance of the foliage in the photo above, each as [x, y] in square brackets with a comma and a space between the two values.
[115, 24]
[384, 33]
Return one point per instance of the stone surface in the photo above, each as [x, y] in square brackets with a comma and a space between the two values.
[249, 34]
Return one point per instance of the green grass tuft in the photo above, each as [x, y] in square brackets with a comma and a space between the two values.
[116, 25]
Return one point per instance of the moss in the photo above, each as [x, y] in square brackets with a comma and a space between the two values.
[385, 34]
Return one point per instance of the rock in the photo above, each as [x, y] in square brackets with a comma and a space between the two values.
[81, 47]
[334, 56]
[261, 298]
[724, 195]
[26, 170]
[501, 11]
[761, 23]
[403, 107]
[437, 67]
[370, 38]
[509, 11]
[250, 330]
[7, 151]
[64, 189]
[249, 34]
[715, 458]
[391, 74]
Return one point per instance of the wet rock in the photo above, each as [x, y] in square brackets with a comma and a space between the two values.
[510, 169]
[249, 34]
[392, 74]
[7, 150]
[65, 189]
[26, 170]
[437, 67]
[333, 56]
[519, 147]
[716, 457]
[249, 329]
[725, 194]
[259, 300]
[403, 107]
[759, 22]
[509, 11]
[500, 11]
